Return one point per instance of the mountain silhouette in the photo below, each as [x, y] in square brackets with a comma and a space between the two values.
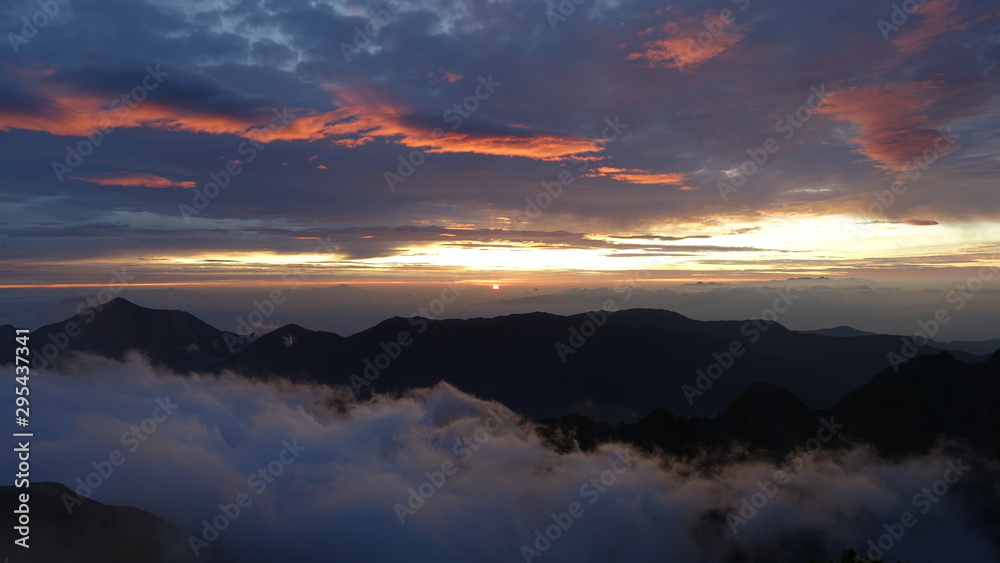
[964, 347]
[842, 331]
[930, 400]
[65, 527]
[608, 366]
[292, 351]
[170, 338]
[932, 397]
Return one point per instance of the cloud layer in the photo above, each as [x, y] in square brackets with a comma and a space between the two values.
[339, 496]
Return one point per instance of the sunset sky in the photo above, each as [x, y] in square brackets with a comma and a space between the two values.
[734, 140]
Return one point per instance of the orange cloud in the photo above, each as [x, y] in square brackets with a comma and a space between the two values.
[69, 112]
[691, 41]
[135, 179]
[637, 176]
[364, 117]
[445, 76]
[78, 115]
[939, 17]
[892, 128]
[920, 222]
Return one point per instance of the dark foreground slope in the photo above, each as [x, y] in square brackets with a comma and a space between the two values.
[91, 532]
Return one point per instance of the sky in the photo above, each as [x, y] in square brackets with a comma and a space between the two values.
[228, 145]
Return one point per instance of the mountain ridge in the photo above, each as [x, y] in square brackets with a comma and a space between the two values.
[931, 401]
[612, 366]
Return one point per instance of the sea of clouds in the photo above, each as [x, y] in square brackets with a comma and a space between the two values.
[438, 475]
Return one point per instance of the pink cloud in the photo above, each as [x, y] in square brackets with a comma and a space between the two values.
[364, 116]
[135, 179]
[638, 176]
[892, 125]
[689, 42]
[938, 18]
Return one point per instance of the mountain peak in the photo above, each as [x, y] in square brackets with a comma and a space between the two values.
[767, 396]
[167, 337]
[123, 304]
[770, 416]
[842, 331]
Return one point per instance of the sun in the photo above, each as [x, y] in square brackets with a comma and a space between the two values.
[496, 287]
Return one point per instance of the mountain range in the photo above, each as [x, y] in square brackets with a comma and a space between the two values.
[980, 347]
[642, 377]
[614, 367]
[931, 400]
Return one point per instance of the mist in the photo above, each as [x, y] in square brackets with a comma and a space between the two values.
[438, 475]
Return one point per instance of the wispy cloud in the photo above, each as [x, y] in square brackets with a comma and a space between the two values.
[891, 120]
[937, 18]
[687, 42]
[135, 179]
[638, 176]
